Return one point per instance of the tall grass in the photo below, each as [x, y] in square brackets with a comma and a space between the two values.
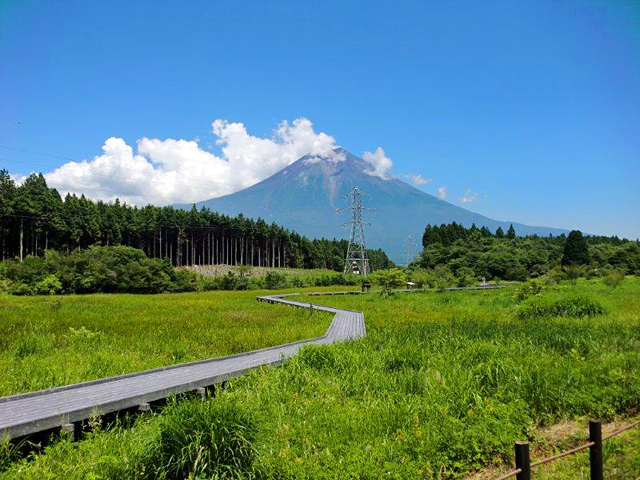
[443, 385]
[52, 341]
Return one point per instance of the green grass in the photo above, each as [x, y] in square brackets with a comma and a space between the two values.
[51, 341]
[441, 387]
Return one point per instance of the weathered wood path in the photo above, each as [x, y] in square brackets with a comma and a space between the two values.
[34, 412]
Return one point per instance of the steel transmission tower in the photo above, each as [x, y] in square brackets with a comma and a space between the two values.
[356, 260]
[408, 249]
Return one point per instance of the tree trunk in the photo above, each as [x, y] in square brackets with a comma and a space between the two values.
[21, 238]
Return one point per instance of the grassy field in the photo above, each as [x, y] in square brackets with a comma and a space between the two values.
[441, 388]
[51, 341]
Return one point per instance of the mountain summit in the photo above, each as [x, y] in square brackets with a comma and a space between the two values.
[304, 197]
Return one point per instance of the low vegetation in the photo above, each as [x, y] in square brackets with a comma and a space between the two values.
[122, 269]
[52, 341]
[442, 386]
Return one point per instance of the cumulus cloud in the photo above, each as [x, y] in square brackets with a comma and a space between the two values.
[417, 179]
[180, 171]
[380, 164]
[442, 193]
[468, 197]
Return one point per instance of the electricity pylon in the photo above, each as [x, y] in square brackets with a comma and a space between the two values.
[408, 249]
[356, 260]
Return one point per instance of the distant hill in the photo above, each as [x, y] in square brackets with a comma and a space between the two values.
[304, 197]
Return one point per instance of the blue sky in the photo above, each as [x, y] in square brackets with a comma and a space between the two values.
[530, 111]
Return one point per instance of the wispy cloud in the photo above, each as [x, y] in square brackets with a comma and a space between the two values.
[417, 179]
[470, 197]
[442, 193]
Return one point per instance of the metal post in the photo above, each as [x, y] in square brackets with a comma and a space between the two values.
[595, 451]
[523, 461]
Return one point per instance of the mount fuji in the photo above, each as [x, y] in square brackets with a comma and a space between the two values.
[305, 195]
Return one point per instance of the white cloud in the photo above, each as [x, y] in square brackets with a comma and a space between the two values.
[469, 197]
[417, 179]
[180, 171]
[442, 193]
[379, 162]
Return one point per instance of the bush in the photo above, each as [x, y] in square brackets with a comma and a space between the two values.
[574, 306]
[202, 438]
[389, 280]
[573, 273]
[275, 280]
[443, 278]
[465, 277]
[526, 290]
[613, 279]
[422, 278]
[97, 269]
[49, 285]
[21, 289]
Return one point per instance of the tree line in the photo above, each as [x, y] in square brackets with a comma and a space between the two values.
[477, 252]
[35, 218]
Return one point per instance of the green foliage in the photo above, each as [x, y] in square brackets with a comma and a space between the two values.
[34, 218]
[573, 306]
[466, 250]
[96, 270]
[49, 285]
[443, 277]
[389, 280]
[275, 280]
[198, 439]
[576, 250]
[527, 289]
[614, 279]
[441, 387]
[573, 272]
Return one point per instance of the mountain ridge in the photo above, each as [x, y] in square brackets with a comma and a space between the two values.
[304, 196]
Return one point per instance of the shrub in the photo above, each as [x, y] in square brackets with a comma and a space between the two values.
[275, 280]
[209, 438]
[389, 280]
[21, 289]
[49, 285]
[574, 306]
[613, 279]
[423, 278]
[526, 290]
[573, 273]
[443, 278]
[465, 277]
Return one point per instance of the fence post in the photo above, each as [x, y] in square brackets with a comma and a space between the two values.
[523, 461]
[595, 451]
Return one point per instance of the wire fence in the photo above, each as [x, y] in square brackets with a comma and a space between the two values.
[524, 465]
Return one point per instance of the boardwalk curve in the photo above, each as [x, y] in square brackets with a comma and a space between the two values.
[34, 412]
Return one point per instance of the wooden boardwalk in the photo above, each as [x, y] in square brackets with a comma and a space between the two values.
[34, 412]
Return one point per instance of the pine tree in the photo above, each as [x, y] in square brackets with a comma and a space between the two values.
[576, 250]
[511, 233]
[499, 232]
